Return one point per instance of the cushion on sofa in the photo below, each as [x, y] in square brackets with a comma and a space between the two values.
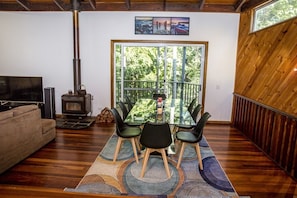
[6, 114]
[23, 109]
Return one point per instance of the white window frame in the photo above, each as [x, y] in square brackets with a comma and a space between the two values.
[262, 7]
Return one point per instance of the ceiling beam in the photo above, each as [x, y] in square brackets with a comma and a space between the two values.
[93, 4]
[128, 4]
[61, 5]
[238, 5]
[25, 4]
[252, 4]
[201, 5]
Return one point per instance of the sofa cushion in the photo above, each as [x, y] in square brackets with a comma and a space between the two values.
[6, 114]
[23, 109]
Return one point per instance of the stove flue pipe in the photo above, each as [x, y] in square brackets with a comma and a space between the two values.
[76, 59]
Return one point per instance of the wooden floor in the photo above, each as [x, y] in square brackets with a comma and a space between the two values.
[64, 161]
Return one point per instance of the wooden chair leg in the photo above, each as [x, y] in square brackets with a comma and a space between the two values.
[137, 144]
[117, 149]
[145, 160]
[181, 154]
[175, 129]
[177, 145]
[199, 156]
[165, 162]
[134, 149]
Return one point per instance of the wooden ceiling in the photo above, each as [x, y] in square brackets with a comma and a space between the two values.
[131, 5]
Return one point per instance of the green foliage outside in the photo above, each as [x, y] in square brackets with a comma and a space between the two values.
[146, 68]
[147, 63]
[273, 13]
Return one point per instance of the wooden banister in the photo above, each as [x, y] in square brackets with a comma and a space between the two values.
[273, 131]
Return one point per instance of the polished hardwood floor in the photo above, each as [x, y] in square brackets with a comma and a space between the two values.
[64, 161]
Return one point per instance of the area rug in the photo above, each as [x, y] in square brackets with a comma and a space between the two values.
[123, 176]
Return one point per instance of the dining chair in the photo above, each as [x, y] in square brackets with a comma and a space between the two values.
[192, 137]
[191, 105]
[155, 137]
[129, 103]
[196, 111]
[194, 115]
[158, 95]
[124, 109]
[125, 132]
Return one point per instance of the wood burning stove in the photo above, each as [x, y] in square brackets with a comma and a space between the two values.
[76, 104]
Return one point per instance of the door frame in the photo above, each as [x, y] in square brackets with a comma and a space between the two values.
[112, 62]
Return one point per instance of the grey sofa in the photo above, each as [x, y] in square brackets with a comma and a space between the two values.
[22, 132]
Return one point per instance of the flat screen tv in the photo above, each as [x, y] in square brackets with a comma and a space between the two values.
[21, 89]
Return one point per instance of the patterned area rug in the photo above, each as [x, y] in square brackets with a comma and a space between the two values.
[123, 177]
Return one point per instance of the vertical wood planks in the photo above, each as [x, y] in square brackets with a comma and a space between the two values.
[274, 132]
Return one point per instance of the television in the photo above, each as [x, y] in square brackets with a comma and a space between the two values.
[21, 89]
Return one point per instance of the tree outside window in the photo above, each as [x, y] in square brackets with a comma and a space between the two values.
[273, 13]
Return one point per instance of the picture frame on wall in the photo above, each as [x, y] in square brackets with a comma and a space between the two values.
[162, 25]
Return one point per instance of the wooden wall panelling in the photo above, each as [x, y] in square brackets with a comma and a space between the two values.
[265, 63]
[281, 80]
[262, 49]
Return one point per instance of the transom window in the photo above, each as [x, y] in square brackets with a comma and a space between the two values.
[273, 12]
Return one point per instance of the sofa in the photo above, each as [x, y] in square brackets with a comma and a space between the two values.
[22, 132]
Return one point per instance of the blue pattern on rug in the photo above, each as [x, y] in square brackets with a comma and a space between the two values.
[154, 182]
[213, 174]
[196, 189]
[203, 142]
[96, 188]
[125, 151]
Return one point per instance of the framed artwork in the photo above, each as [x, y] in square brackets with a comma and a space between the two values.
[162, 25]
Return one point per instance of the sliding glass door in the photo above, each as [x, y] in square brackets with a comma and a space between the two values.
[142, 69]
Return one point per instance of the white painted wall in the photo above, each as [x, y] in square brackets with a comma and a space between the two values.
[41, 44]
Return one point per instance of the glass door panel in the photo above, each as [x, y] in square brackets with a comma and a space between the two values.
[145, 69]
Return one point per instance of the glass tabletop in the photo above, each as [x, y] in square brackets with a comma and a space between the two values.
[173, 111]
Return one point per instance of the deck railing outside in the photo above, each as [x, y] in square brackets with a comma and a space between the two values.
[145, 89]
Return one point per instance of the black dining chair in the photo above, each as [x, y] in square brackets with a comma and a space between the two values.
[124, 109]
[196, 111]
[194, 115]
[129, 103]
[159, 95]
[125, 132]
[155, 137]
[192, 137]
[191, 105]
